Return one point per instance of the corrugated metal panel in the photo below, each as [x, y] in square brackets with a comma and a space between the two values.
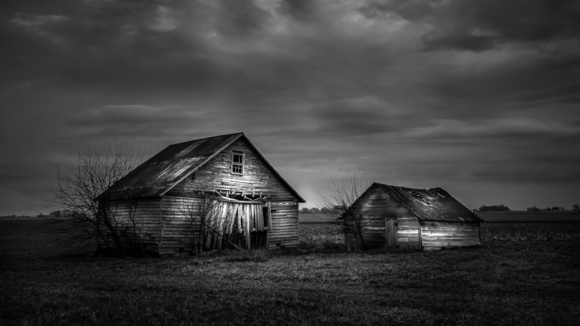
[430, 204]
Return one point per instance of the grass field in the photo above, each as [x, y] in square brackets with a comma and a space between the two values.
[502, 283]
[514, 216]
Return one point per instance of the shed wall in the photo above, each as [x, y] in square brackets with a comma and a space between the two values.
[437, 235]
[378, 206]
[284, 231]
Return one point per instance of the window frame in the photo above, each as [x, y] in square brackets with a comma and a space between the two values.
[235, 164]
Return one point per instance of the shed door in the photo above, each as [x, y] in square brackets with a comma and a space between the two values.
[390, 233]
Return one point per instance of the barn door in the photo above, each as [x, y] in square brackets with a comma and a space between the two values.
[390, 233]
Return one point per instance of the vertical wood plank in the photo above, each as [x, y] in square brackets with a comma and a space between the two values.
[269, 205]
[248, 239]
[386, 233]
[390, 233]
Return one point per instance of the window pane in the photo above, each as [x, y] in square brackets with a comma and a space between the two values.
[237, 162]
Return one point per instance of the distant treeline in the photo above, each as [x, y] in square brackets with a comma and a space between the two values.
[503, 208]
[493, 208]
[555, 208]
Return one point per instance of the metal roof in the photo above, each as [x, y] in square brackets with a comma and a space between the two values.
[166, 169]
[433, 204]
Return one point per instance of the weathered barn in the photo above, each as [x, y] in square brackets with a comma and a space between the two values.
[415, 219]
[205, 194]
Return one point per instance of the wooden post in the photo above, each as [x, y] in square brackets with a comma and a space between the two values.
[248, 237]
[269, 215]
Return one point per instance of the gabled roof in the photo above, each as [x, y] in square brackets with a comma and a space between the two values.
[166, 169]
[429, 204]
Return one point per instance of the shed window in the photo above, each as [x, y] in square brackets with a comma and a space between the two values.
[237, 162]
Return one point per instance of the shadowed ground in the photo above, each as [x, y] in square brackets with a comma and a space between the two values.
[505, 282]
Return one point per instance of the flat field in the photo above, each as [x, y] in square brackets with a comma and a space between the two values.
[520, 216]
[532, 282]
[513, 216]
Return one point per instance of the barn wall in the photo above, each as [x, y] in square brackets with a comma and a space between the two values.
[284, 231]
[216, 175]
[180, 222]
[140, 220]
[437, 235]
[378, 206]
[180, 216]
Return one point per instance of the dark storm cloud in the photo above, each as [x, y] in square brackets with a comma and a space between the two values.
[482, 25]
[241, 18]
[321, 87]
[302, 10]
[135, 44]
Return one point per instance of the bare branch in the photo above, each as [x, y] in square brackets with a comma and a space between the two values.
[341, 208]
[87, 221]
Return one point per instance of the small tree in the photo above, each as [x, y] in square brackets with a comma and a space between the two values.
[339, 205]
[90, 222]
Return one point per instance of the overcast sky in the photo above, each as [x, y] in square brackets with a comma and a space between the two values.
[481, 98]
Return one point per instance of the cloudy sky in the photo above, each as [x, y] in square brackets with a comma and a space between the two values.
[481, 98]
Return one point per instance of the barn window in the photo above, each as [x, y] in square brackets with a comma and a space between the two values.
[237, 162]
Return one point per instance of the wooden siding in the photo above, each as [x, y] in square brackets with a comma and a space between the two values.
[179, 229]
[437, 235]
[284, 230]
[408, 232]
[379, 206]
[140, 220]
[216, 175]
[180, 217]
[412, 234]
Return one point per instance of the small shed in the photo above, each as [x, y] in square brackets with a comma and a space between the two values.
[415, 219]
[205, 194]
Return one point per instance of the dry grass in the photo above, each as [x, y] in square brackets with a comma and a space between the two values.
[521, 283]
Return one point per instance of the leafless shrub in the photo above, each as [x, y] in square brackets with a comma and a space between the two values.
[339, 207]
[88, 222]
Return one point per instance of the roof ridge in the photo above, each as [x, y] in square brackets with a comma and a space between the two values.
[402, 187]
[198, 139]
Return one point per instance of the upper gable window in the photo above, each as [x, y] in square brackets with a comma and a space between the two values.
[237, 162]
